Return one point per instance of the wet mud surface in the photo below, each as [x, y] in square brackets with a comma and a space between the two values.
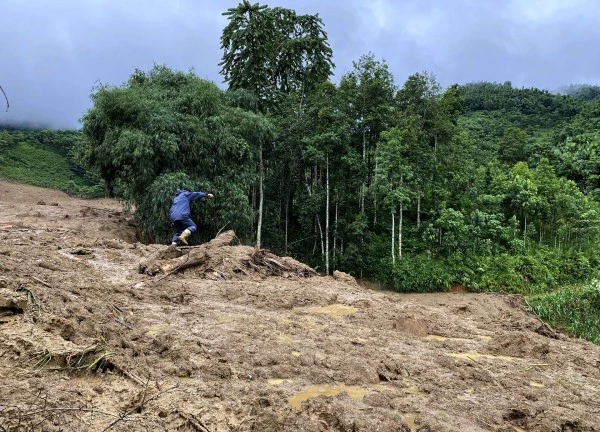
[88, 343]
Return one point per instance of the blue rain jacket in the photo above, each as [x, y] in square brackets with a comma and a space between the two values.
[180, 210]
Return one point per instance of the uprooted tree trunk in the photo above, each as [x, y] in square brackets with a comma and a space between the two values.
[220, 259]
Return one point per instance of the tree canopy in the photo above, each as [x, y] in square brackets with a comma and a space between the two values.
[416, 185]
[164, 129]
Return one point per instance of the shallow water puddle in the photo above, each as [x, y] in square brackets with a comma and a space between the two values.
[279, 381]
[474, 356]
[444, 338]
[314, 391]
[410, 420]
[413, 390]
[154, 330]
[284, 339]
[334, 310]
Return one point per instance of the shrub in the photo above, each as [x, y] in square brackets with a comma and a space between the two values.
[574, 309]
[420, 273]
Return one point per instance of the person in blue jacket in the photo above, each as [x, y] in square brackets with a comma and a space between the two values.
[180, 214]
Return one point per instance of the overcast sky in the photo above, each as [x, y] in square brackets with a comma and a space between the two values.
[54, 51]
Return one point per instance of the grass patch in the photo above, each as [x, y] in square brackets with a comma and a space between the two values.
[573, 309]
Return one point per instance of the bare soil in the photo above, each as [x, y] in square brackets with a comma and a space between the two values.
[246, 341]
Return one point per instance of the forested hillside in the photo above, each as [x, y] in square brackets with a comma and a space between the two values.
[44, 158]
[482, 185]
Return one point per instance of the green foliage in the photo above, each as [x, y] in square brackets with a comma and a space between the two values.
[574, 309]
[540, 270]
[162, 124]
[584, 92]
[273, 51]
[43, 158]
[416, 273]
[534, 106]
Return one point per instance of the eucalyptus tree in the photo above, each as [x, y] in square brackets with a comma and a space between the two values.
[323, 150]
[392, 176]
[273, 52]
[369, 98]
[433, 115]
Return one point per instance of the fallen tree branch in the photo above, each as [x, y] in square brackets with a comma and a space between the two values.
[41, 281]
[194, 422]
[129, 375]
[139, 407]
[5, 97]
[66, 409]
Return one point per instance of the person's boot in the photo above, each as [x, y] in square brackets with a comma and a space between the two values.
[184, 235]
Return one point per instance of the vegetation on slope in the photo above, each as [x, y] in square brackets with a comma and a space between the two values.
[44, 158]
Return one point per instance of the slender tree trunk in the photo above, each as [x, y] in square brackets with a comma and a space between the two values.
[418, 208]
[287, 215]
[362, 188]
[393, 240]
[400, 220]
[321, 233]
[327, 215]
[435, 175]
[335, 224]
[315, 243]
[375, 202]
[254, 206]
[261, 197]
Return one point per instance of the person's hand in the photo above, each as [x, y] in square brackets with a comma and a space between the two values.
[211, 196]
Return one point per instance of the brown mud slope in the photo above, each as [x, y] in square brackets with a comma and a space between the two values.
[247, 341]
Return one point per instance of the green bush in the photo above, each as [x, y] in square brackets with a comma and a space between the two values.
[575, 309]
[418, 273]
[540, 271]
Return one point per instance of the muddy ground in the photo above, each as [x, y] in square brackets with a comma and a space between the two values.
[89, 344]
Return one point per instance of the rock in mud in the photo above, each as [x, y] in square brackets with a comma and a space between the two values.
[344, 277]
[10, 300]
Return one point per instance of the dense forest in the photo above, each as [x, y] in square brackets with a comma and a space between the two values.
[422, 188]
